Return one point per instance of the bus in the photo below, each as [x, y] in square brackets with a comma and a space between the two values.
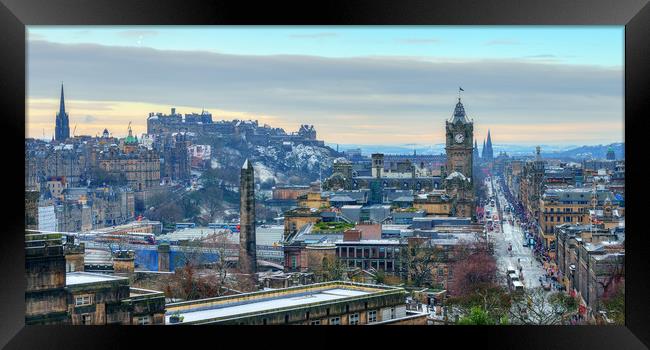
[517, 286]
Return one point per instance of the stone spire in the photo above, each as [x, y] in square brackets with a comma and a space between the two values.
[62, 102]
[490, 152]
[247, 246]
[62, 126]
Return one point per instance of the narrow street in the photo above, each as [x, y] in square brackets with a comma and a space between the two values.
[505, 234]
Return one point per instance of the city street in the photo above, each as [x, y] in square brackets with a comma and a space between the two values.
[505, 234]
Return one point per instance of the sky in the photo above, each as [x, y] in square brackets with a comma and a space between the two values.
[357, 85]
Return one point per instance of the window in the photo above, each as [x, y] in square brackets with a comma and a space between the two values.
[353, 318]
[86, 319]
[83, 300]
[335, 321]
[315, 322]
[143, 320]
[392, 313]
[286, 318]
[372, 316]
[293, 262]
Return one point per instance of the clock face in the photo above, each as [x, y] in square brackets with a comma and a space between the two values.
[459, 138]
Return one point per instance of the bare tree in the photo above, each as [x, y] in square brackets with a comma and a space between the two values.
[419, 259]
[538, 307]
[474, 269]
[331, 270]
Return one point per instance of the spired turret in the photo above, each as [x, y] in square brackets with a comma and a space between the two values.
[459, 115]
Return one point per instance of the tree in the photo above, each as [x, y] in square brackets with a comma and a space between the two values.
[494, 299]
[538, 307]
[614, 304]
[474, 269]
[331, 270]
[477, 316]
[419, 259]
[198, 276]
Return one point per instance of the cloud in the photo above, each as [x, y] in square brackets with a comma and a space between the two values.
[314, 35]
[137, 33]
[541, 56]
[502, 42]
[420, 40]
[88, 119]
[337, 95]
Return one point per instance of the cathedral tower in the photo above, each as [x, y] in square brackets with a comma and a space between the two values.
[62, 127]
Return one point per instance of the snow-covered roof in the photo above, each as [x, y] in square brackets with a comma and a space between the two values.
[456, 174]
[76, 278]
[261, 306]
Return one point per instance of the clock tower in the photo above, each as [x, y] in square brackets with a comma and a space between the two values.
[459, 147]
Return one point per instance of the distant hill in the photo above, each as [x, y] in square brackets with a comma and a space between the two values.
[587, 152]
[549, 151]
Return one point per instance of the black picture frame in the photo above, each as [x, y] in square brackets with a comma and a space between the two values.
[16, 14]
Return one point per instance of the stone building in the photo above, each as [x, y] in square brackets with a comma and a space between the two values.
[45, 266]
[600, 266]
[101, 299]
[531, 186]
[572, 206]
[73, 216]
[58, 291]
[330, 303]
[140, 169]
[175, 154]
[297, 218]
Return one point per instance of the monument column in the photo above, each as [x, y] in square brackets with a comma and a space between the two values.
[247, 246]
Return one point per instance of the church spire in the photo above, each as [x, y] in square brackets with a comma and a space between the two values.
[489, 153]
[61, 127]
[62, 102]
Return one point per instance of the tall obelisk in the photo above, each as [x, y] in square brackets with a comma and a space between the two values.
[247, 247]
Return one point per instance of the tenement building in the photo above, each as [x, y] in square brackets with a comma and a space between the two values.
[570, 206]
